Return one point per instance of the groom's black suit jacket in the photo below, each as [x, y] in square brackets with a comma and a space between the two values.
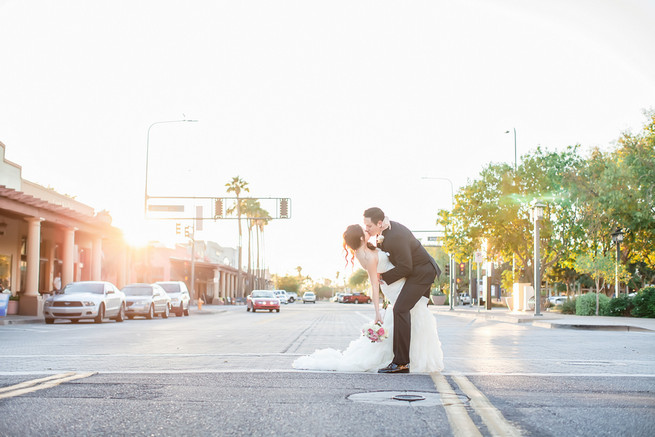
[409, 257]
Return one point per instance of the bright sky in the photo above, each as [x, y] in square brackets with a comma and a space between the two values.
[339, 105]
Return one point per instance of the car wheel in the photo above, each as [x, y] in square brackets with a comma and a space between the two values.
[101, 314]
[180, 311]
[186, 311]
[270, 311]
[49, 321]
[121, 314]
[277, 310]
[253, 309]
[151, 312]
[166, 313]
[247, 308]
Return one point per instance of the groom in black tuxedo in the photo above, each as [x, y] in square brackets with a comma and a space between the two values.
[411, 261]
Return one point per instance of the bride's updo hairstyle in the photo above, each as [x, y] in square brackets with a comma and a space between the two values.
[353, 239]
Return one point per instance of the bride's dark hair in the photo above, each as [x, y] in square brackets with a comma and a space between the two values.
[353, 239]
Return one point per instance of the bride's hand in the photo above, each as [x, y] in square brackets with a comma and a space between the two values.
[378, 319]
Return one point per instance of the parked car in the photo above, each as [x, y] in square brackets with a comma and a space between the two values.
[335, 298]
[356, 298]
[309, 296]
[262, 300]
[86, 300]
[147, 300]
[179, 295]
[282, 295]
[557, 300]
[341, 296]
[465, 299]
[292, 296]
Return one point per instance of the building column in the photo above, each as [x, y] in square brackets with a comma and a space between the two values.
[67, 258]
[96, 261]
[30, 302]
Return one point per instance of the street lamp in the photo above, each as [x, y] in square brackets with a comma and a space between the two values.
[538, 215]
[617, 237]
[514, 147]
[450, 256]
[145, 201]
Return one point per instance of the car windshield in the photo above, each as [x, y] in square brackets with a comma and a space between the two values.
[140, 290]
[262, 294]
[309, 294]
[171, 288]
[79, 287]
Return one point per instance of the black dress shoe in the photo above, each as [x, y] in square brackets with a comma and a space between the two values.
[395, 368]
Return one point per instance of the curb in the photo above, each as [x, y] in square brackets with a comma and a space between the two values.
[620, 328]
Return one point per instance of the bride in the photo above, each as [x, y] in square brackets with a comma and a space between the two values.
[362, 355]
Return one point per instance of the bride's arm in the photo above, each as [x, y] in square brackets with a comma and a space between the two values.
[372, 270]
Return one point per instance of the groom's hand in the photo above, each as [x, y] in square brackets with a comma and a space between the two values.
[380, 280]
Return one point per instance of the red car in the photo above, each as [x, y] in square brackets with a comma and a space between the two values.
[356, 298]
[262, 300]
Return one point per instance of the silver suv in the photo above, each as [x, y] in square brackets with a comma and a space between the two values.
[179, 295]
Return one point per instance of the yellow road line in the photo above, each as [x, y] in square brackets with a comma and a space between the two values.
[40, 384]
[491, 416]
[460, 422]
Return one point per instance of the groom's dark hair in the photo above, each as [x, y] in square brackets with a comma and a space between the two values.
[375, 214]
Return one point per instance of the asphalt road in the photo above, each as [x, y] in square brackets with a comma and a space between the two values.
[229, 372]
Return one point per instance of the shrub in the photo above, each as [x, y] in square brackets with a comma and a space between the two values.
[620, 306]
[644, 303]
[585, 305]
[568, 307]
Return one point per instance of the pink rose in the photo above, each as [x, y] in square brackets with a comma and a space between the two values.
[381, 331]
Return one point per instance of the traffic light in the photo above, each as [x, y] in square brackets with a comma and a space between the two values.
[218, 208]
[284, 208]
[178, 228]
[187, 233]
[462, 266]
[448, 269]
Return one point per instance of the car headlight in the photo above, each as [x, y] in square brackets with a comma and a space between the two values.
[89, 304]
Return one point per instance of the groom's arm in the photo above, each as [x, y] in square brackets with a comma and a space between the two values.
[402, 258]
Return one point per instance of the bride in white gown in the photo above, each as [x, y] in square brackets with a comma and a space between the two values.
[362, 355]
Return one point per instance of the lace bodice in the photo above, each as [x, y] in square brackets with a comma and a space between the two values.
[391, 291]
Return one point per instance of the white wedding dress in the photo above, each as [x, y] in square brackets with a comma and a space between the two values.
[362, 355]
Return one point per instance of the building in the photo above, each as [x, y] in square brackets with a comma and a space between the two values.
[45, 235]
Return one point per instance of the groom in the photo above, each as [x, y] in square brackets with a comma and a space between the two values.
[411, 261]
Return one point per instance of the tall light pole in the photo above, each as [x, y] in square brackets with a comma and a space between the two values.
[450, 258]
[145, 201]
[514, 148]
[538, 214]
[617, 237]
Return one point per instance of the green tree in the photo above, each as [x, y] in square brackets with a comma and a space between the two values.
[237, 186]
[288, 283]
[600, 267]
[358, 280]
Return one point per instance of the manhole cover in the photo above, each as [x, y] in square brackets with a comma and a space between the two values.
[405, 398]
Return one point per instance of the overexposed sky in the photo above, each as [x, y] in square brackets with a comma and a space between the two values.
[339, 105]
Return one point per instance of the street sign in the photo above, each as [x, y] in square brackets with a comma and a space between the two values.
[166, 208]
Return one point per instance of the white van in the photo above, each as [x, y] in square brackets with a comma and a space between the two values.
[282, 295]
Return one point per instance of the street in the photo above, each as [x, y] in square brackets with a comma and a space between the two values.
[224, 371]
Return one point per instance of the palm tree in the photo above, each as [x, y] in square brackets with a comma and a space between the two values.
[251, 208]
[236, 186]
[265, 217]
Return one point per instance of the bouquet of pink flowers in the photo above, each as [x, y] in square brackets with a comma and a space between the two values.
[374, 332]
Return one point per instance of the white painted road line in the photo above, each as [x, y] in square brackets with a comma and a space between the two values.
[460, 422]
[491, 416]
[40, 384]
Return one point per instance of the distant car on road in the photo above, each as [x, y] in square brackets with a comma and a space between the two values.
[147, 300]
[86, 300]
[309, 296]
[465, 299]
[282, 295]
[356, 298]
[179, 295]
[292, 296]
[262, 300]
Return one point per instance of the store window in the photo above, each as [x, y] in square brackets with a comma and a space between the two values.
[5, 272]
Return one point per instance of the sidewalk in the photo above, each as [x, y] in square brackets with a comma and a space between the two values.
[551, 320]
